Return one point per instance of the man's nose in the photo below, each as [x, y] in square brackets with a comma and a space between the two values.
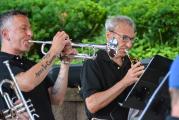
[29, 33]
[129, 44]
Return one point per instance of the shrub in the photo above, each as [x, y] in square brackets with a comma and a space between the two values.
[80, 19]
[156, 21]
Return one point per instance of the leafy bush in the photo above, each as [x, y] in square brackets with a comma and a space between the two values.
[80, 19]
[85, 19]
[142, 48]
[156, 21]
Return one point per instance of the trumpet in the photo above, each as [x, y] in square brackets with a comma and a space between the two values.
[132, 60]
[13, 110]
[111, 47]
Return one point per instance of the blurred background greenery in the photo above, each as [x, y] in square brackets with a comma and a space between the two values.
[157, 22]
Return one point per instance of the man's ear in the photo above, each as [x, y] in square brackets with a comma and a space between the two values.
[5, 34]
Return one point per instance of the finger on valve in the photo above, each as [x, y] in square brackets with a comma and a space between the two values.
[23, 116]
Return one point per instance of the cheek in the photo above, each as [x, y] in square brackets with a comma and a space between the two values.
[15, 43]
[14, 36]
[129, 45]
[121, 44]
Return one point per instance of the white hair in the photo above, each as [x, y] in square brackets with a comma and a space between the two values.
[113, 22]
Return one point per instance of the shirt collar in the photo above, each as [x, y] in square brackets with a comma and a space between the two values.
[9, 56]
[102, 55]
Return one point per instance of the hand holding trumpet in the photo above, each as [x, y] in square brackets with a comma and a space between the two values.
[22, 115]
[134, 73]
[67, 51]
[60, 40]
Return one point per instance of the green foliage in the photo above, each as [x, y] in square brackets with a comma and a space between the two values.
[142, 48]
[156, 21]
[85, 19]
[80, 19]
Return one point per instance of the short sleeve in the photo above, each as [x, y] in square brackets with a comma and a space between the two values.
[90, 78]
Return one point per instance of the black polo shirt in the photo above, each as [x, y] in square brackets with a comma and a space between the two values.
[99, 75]
[39, 95]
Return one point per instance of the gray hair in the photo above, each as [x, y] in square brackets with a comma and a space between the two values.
[7, 16]
[114, 21]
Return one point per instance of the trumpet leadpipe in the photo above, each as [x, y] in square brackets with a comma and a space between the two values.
[89, 45]
[111, 47]
[73, 44]
[40, 42]
[127, 53]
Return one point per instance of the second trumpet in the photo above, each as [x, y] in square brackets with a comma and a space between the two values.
[110, 47]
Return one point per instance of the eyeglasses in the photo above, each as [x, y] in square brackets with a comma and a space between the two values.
[125, 38]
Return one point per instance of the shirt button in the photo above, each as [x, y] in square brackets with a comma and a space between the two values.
[118, 68]
[21, 63]
[17, 58]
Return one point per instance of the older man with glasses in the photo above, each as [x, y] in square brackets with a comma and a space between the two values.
[106, 80]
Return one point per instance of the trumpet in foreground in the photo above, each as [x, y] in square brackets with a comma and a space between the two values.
[14, 109]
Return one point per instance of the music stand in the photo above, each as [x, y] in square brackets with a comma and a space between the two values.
[151, 100]
[142, 90]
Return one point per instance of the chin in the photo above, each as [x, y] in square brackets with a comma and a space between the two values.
[26, 50]
[120, 56]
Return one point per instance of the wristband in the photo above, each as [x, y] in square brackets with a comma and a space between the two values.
[66, 62]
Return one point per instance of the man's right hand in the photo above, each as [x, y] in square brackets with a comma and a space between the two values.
[60, 40]
[134, 73]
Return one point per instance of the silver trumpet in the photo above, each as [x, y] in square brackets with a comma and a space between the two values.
[111, 47]
[14, 109]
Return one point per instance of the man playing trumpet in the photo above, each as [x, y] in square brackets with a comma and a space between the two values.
[15, 33]
[106, 80]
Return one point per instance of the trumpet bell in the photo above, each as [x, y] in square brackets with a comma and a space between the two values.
[112, 47]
